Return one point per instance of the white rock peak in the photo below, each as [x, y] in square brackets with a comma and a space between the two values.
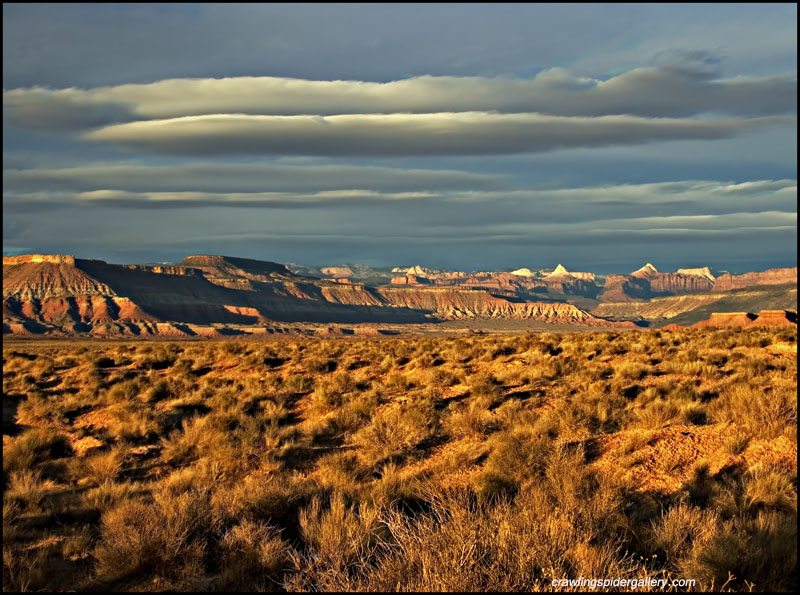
[648, 268]
[698, 272]
[523, 272]
[421, 271]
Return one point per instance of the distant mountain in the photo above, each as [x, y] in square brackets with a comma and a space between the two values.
[207, 295]
[357, 273]
[648, 282]
[648, 271]
[727, 281]
[210, 294]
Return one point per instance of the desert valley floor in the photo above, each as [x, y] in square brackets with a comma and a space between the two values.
[495, 462]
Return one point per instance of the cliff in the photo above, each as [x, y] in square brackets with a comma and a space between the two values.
[38, 258]
[728, 319]
[513, 283]
[51, 276]
[745, 319]
[698, 272]
[624, 288]
[60, 293]
[776, 318]
[649, 282]
[560, 273]
[68, 295]
[460, 304]
[340, 272]
[727, 282]
[674, 283]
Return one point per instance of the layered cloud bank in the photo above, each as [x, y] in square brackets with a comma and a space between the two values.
[442, 170]
[419, 116]
[397, 210]
[390, 135]
[246, 177]
[666, 91]
[197, 185]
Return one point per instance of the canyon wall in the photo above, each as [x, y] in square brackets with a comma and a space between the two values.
[728, 282]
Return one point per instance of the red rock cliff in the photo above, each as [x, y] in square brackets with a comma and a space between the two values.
[37, 258]
[727, 282]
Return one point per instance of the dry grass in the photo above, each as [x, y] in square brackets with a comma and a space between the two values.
[475, 464]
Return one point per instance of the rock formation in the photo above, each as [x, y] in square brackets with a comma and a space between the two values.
[675, 283]
[338, 272]
[698, 272]
[524, 272]
[460, 304]
[211, 295]
[62, 294]
[775, 318]
[744, 320]
[67, 259]
[522, 286]
[727, 281]
[728, 319]
[625, 288]
[560, 272]
[648, 282]
[648, 271]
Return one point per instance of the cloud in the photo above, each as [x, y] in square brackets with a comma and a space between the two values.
[58, 45]
[64, 109]
[493, 233]
[655, 91]
[244, 199]
[390, 135]
[455, 210]
[631, 201]
[246, 178]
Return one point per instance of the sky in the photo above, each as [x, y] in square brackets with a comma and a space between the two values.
[459, 136]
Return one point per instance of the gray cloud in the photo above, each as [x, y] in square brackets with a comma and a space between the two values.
[449, 212]
[450, 206]
[57, 45]
[535, 233]
[664, 91]
[397, 236]
[465, 133]
[243, 199]
[245, 177]
[67, 109]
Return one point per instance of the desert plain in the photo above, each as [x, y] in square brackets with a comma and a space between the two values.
[498, 462]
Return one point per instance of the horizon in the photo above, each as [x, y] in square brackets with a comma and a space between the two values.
[465, 137]
[660, 268]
